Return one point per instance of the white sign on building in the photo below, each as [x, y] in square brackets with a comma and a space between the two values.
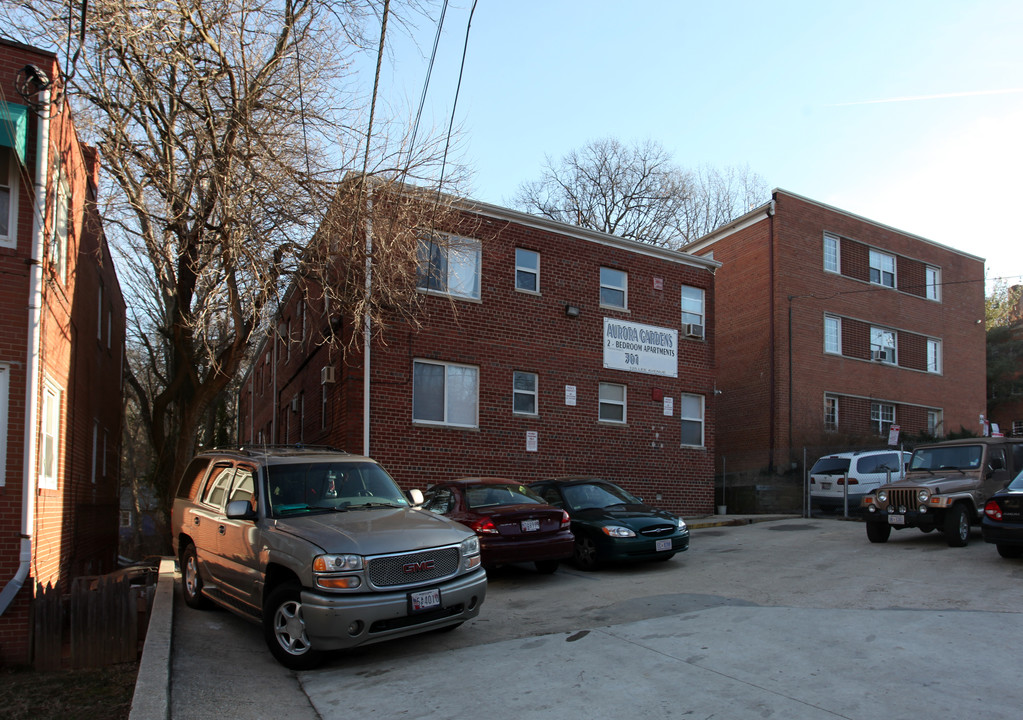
[634, 347]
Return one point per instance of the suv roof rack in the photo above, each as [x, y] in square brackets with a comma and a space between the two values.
[251, 450]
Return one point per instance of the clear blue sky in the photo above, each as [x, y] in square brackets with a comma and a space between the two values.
[908, 113]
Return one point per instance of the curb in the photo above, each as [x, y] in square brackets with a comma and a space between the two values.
[151, 700]
[713, 521]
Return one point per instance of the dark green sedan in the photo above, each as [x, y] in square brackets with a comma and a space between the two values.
[610, 525]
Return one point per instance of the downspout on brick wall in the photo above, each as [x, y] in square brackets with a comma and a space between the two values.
[35, 309]
[773, 403]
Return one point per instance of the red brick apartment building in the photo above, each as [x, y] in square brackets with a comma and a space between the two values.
[544, 349]
[62, 320]
[832, 328]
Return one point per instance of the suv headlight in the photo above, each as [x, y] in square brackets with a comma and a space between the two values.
[471, 552]
[882, 496]
[337, 563]
[923, 496]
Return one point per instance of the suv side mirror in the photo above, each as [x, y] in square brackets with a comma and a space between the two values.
[416, 496]
[240, 510]
[998, 463]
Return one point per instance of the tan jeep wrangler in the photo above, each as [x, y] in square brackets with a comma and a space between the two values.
[944, 489]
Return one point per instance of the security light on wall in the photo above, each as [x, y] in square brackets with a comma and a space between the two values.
[572, 311]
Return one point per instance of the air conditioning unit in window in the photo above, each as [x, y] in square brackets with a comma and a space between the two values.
[327, 375]
[881, 355]
[694, 331]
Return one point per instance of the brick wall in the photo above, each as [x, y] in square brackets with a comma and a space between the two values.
[75, 525]
[507, 331]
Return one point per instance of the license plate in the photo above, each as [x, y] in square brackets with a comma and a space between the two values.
[896, 519]
[663, 545]
[424, 600]
[825, 486]
[530, 525]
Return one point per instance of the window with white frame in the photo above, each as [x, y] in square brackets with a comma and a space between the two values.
[524, 393]
[832, 257]
[95, 449]
[691, 412]
[692, 306]
[449, 265]
[8, 198]
[882, 345]
[932, 281]
[527, 270]
[612, 403]
[1017, 428]
[614, 288]
[832, 334]
[58, 243]
[50, 445]
[5, 389]
[830, 413]
[935, 420]
[933, 356]
[882, 268]
[882, 417]
[445, 393]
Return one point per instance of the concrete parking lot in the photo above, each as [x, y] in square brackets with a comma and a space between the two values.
[798, 618]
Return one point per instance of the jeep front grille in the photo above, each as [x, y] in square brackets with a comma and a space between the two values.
[413, 568]
[903, 498]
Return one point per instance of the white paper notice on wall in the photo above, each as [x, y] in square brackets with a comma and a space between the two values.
[570, 394]
[532, 440]
[669, 406]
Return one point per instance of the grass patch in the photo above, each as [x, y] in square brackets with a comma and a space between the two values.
[68, 694]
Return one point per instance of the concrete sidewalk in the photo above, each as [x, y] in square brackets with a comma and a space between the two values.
[212, 663]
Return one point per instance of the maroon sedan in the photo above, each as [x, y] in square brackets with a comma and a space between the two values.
[513, 523]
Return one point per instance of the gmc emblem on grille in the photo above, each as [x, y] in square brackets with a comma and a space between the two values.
[415, 567]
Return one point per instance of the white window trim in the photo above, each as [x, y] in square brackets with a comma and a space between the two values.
[702, 315]
[50, 394]
[624, 403]
[702, 420]
[10, 240]
[59, 237]
[5, 389]
[878, 420]
[871, 253]
[838, 253]
[894, 346]
[938, 364]
[469, 245]
[535, 393]
[529, 270]
[624, 289]
[939, 421]
[932, 290]
[838, 322]
[834, 400]
[446, 422]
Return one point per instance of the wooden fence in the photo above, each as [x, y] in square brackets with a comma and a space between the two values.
[101, 622]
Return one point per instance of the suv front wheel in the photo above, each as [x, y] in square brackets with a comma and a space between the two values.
[284, 629]
[957, 526]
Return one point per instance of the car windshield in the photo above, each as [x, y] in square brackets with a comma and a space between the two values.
[830, 466]
[955, 457]
[596, 495]
[316, 487]
[481, 496]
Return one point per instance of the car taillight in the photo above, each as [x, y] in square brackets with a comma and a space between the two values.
[993, 510]
[484, 526]
[849, 481]
[566, 521]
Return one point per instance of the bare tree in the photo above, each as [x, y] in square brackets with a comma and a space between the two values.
[222, 125]
[638, 192]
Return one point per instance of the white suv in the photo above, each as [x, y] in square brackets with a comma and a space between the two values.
[859, 473]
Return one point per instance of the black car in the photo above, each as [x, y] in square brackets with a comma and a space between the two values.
[1002, 522]
[610, 525]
